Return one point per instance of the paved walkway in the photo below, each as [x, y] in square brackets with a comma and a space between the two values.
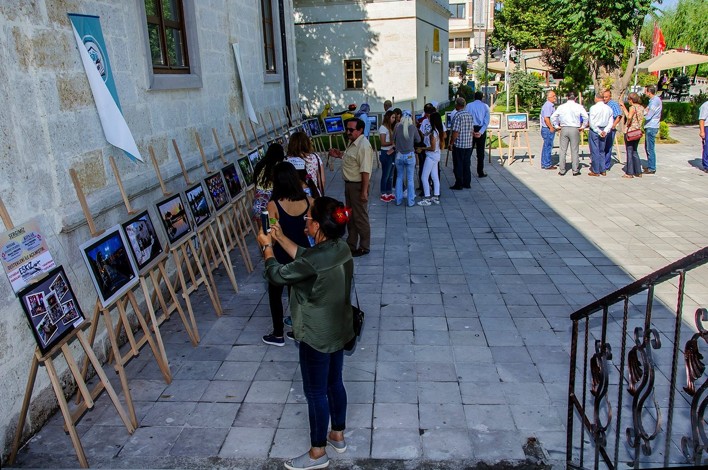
[465, 351]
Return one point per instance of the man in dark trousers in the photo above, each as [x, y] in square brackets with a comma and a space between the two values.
[461, 143]
[479, 111]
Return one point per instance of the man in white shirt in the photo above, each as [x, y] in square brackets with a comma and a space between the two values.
[601, 121]
[570, 119]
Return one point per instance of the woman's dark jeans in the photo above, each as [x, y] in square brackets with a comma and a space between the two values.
[275, 299]
[387, 171]
[324, 390]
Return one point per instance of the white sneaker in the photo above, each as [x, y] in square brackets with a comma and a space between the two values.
[435, 200]
[425, 203]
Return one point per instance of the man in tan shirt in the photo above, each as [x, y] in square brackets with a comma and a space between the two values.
[357, 160]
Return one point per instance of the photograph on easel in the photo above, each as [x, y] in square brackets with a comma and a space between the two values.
[198, 205]
[246, 170]
[174, 218]
[517, 122]
[51, 321]
[142, 239]
[314, 125]
[217, 190]
[112, 268]
[254, 157]
[495, 121]
[233, 182]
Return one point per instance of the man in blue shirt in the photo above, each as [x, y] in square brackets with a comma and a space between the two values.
[548, 132]
[617, 116]
[479, 111]
[652, 114]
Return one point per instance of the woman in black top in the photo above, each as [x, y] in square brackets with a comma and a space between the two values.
[288, 205]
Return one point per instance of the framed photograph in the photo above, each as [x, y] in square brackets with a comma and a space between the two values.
[174, 218]
[217, 190]
[314, 125]
[142, 238]
[261, 154]
[50, 324]
[232, 180]
[110, 265]
[269, 143]
[448, 120]
[246, 170]
[517, 122]
[495, 121]
[254, 156]
[198, 205]
[334, 124]
[306, 129]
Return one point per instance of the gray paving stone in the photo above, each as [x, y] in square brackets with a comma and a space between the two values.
[396, 415]
[441, 416]
[258, 415]
[199, 442]
[447, 444]
[268, 391]
[151, 441]
[229, 391]
[168, 414]
[396, 392]
[408, 444]
[245, 442]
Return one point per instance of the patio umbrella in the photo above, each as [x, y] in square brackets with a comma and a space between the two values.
[536, 63]
[498, 67]
[672, 59]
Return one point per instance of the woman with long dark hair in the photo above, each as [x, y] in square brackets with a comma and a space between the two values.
[320, 279]
[387, 155]
[288, 205]
[263, 177]
[634, 117]
[300, 146]
[434, 140]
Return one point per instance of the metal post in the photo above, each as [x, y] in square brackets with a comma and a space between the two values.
[506, 76]
[486, 69]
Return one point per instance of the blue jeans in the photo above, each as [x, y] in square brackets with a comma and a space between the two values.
[324, 390]
[548, 137]
[597, 154]
[649, 141]
[386, 171]
[405, 163]
[609, 141]
[705, 154]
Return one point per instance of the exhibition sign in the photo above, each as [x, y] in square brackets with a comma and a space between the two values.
[24, 254]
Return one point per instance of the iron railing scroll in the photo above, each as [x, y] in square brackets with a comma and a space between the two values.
[632, 374]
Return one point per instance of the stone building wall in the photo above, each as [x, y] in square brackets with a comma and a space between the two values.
[49, 124]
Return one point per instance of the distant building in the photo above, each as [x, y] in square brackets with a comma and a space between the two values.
[355, 52]
[471, 23]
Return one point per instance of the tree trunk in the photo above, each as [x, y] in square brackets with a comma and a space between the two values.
[622, 84]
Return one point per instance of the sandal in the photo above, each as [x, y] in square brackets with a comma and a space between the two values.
[627, 176]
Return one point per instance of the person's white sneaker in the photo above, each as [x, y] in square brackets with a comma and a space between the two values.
[425, 203]
[436, 200]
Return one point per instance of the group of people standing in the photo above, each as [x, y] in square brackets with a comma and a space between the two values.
[602, 122]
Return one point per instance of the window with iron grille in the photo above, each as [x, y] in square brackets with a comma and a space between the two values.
[353, 74]
[167, 36]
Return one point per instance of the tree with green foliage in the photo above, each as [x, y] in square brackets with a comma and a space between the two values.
[523, 23]
[684, 25]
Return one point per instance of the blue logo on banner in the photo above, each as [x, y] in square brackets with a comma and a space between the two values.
[96, 54]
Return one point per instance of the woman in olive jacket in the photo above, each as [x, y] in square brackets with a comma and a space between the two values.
[320, 278]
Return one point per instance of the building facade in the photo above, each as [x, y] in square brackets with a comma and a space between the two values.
[355, 52]
[175, 74]
[471, 23]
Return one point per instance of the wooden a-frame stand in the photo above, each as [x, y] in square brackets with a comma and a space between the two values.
[495, 133]
[123, 324]
[70, 419]
[190, 272]
[516, 143]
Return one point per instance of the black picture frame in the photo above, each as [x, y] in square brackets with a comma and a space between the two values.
[244, 165]
[48, 333]
[232, 180]
[144, 244]
[173, 216]
[217, 190]
[198, 204]
[110, 264]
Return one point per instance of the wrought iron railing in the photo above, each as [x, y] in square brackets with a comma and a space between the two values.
[639, 383]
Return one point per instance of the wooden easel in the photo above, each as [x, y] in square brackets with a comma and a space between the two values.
[495, 133]
[201, 152]
[218, 146]
[237, 147]
[245, 136]
[156, 272]
[515, 140]
[70, 419]
[179, 252]
[123, 324]
[265, 128]
[253, 130]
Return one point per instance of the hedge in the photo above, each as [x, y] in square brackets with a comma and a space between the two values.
[679, 114]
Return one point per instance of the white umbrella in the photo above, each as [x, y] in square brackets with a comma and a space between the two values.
[672, 59]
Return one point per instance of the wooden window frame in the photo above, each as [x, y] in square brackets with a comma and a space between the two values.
[162, 24]
[347, 69]
[269, 39]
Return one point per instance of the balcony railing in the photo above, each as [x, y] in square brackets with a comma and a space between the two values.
[643, 394]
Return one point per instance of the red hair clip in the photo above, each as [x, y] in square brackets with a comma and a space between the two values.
[341, 215]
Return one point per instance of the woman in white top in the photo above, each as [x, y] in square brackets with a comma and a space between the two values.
[387, 156]
[433, 139]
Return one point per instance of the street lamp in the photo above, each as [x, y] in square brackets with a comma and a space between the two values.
[508, 54]
[472, 58]
[640, 51]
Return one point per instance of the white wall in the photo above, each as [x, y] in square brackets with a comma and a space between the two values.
[390, 37]
[49, 124]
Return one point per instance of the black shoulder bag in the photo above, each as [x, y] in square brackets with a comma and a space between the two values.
[357, 324]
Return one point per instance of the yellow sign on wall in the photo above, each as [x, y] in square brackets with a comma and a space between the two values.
[436, 40]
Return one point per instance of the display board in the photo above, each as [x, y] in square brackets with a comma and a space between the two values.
[174, 218]
[232, 180]
[198, 204]
[111, 267]
[24, 254]
[217, 190]
[142, 238]
[334, 124]
[246, 170]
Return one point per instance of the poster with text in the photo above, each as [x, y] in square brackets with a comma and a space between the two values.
[24, 253]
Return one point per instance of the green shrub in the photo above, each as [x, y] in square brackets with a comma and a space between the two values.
[679, 114]
[663, 131]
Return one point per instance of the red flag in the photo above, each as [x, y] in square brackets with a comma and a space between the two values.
[658, 42]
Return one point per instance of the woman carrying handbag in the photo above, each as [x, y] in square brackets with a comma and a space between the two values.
[632, 134]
